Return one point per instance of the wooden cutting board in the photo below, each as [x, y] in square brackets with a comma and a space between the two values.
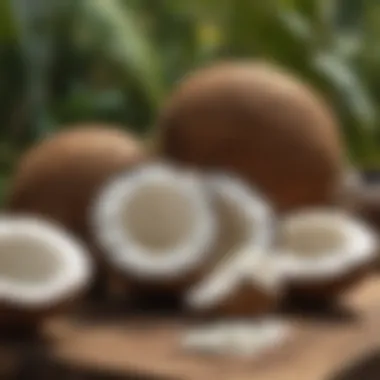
[321, 348]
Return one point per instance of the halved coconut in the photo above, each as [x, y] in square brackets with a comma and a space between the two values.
[245, 231]
[155, 224]
[42, 269]
[59, 177]
[247, 283]
[327, 251]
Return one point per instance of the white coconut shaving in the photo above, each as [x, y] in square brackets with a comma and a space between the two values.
[255, 269]
[40, 263]
[236, 338]
[322, 243]
[155, 222]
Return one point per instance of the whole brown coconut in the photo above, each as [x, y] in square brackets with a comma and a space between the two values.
[59, 177]
[261, 123]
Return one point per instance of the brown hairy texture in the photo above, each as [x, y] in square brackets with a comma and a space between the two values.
[59, 178]
[259, 122]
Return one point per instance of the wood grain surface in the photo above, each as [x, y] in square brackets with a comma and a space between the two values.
[342, 344]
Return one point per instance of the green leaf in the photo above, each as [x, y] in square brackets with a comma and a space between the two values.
[115, 34]
[348, 86]
[350, 13]
[8, 30]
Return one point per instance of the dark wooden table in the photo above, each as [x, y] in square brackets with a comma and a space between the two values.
[336, 345]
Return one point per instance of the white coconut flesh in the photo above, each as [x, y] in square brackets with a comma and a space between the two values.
[236, 338]
[324, 243]
[247, 269]
[245, 233]
[156, 222]
[245, 218]
[40, 264]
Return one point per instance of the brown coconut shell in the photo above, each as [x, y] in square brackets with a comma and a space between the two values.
[349, 190]
[261, 123]
[244, 301]
[366, 203]
[59, 177]
[17, 321]
[328, 290]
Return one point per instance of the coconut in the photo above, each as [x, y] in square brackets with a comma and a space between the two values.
[245, 228]
[360, 195]
[260, 122]
[365, 203]
[247, 283]
[349, 191]
[59, 177]
[325, 251]
[43, 269]
[155, 225]
[245, 217]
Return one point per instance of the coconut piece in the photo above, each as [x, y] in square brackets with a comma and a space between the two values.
[59, 177]
[245, 217]
[43, 269]
[236, 338]
[365, 203]
[247, 283]
[155, 225]
[327, 251]
[258, 121]
[245, 222]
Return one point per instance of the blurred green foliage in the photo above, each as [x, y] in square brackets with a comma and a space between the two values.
[116, 60]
